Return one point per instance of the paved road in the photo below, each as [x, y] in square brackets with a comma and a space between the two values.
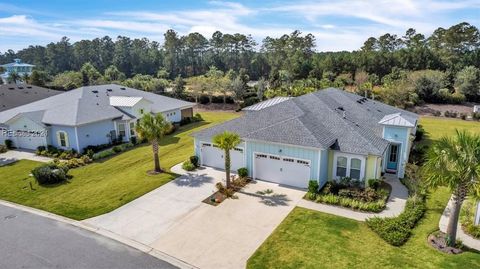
[31, 241]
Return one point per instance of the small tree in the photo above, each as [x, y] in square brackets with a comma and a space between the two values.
[455, 162]
[153, 128]
[179, 86]
[227, 141]
[261, 88]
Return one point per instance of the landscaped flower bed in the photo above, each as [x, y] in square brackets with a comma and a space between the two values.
[467, 218]
[352, 194]
[222, 193]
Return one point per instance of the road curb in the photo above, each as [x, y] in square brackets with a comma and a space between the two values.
[105, 233]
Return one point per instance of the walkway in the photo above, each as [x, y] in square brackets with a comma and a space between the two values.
[466, 239]
[21, 154]
[395, 205]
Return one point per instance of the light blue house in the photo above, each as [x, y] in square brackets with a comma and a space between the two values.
[325, 135]
[86, 116]
[16, 67]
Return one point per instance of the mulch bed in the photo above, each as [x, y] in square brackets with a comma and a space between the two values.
[218, 197]
[215, 199]
[439, 242]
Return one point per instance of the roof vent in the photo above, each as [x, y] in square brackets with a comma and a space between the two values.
[29, 87]
[109, 90]
[340, 108]
[122, 88]
[21, 88]
[11, 88]
[95, 91]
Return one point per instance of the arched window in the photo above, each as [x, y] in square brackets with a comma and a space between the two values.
[341, 166]
[62, 139]
[355, 167]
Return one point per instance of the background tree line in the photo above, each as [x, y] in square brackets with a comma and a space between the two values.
[402, 70]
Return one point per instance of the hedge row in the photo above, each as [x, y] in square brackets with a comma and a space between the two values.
[397, 230]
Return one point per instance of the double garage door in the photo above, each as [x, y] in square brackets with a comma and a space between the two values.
[282, 170]
[214, 157]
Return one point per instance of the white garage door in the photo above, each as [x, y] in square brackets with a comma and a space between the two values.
[282, 170]
[214, 157]
[29, 140]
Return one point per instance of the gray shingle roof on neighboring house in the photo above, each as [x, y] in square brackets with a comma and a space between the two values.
[14, 95]
[90, 104]
[323, 119]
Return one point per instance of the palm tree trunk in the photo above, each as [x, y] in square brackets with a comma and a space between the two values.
[458, 197]
[227, 168]
[155, 155]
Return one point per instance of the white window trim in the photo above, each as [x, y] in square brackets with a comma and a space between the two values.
[124, 129]
[59, 140]
[349, 158]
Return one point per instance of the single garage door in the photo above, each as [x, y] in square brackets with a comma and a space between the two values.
[213, 156]
[282, 170]
[29, 140]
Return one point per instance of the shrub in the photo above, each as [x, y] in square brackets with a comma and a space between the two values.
[3, 149]
[103, 154]
[467, 219]
[133, 140]
[242, 172]
[373, 183]
[250, 101]
[397, 230]
[197, 117]
[41, 148]
[188, 166]
[204, 99]
[50, 174]
[194, 160]
[313, 186]
[437, 113]
[239, 183]
[419, 133]
[9, 143]
[171, 130]
[117, 149]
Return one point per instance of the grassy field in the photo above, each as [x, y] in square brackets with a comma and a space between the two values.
[438, 127]
[103, 186]
[310, 239]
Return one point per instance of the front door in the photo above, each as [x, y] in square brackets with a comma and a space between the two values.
[392, 162]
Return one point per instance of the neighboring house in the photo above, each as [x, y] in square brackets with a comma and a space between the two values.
[90, 115]
[266, 103]
[13, 95]
[18, 67]
[328, 134]
[476, 109]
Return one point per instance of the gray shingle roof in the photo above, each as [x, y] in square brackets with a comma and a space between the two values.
[317, 120]
[14, 95]
[90, 104]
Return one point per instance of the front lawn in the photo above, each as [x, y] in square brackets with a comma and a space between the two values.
[311, 239]
[103, 186]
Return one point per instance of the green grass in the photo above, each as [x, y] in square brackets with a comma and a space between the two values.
[311, 239]
[103, 186]
[438, 127]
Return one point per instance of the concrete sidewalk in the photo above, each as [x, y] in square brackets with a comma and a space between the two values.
[467, 240]
[395, 204]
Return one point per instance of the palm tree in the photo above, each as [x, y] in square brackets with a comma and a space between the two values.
[13, 77]
[153, 128]
[227, 141]
[455, 162]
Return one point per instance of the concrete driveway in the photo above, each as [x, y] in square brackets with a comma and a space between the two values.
[173, 219]
[20, 154]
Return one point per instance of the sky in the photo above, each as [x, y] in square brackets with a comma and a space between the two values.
[337, 25]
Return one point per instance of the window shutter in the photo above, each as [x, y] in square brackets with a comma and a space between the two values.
[58, 139]
[67, 144]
